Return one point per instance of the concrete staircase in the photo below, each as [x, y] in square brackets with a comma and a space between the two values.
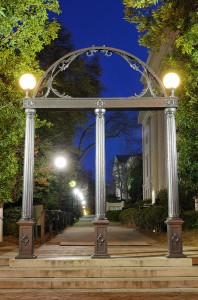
[124, 278]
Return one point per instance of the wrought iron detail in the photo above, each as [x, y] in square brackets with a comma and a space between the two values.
[100, 103]
[47, 84]
[25, 240]
[100, 239]
[175, 238]
[172, 102]
[30, 103]
[95, 50]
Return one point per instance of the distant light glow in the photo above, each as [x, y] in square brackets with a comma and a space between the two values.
[60, 162]
[76, 191]
[72, 183]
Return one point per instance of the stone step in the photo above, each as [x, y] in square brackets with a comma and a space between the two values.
[98, 283]
[4, 261]
[99, 272]
[107, 262]
[128, 294]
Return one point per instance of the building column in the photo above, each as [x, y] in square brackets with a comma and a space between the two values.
[100, 220]
[174, 222]
[26, 223]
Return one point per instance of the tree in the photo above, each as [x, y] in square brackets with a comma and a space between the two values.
[135, 180]
[24, 31]
[82, 79]
[117, 123]
[175, 23]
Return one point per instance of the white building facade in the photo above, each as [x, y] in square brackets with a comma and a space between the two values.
[154, 140]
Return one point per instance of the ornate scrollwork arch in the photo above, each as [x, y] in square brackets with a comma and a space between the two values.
[152, 84]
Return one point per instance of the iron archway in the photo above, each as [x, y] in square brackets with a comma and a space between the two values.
[152, 97]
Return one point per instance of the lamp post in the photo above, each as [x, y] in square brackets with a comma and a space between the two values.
[60, 163]
[174, 222]
[26, 223]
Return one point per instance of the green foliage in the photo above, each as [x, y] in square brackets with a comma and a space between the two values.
[11, 216]
[190, 219]
[127, 216]
[162, 198]
[23, 32]
[175, 23]
[147, 219]
[113, 215]
[2, 9]
[155, 217]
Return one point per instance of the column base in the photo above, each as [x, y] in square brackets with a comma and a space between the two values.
[174, 236]
[100, 248]
[26, 239]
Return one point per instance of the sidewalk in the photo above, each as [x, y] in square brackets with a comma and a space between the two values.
[78, 240]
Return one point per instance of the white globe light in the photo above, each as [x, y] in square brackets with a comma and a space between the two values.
[72, 183]
[171, 81]
[27, 82]
[60, 162]
[76, 191]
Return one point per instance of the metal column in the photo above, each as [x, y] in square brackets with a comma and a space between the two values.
[100, 221]
[174, 223]
[26, 223]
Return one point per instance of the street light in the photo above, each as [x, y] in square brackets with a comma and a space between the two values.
[26, 223]
[60, 163]
[72, 183]
[171, 81]
[27, 82]
[174, 222]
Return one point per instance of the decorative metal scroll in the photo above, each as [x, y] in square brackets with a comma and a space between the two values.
[152, 84]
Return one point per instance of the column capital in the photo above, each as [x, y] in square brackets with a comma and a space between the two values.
[100, 112]
[30, 111]
[170, 111]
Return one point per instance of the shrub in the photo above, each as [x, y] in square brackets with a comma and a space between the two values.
[190, 219]
[113, 215]
[149, 219]
[11, 216]
[127, 216]
[155, 218]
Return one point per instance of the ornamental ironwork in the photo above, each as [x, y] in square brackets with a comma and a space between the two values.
[25, 240]
[46, 87]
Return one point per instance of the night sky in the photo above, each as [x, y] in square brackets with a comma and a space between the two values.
[102, 23]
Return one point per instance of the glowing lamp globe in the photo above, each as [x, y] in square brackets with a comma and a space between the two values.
[27, 82]
[60, 162]
[171, 81]
[72, 183]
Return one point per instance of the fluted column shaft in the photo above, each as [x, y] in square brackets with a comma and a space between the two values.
[28, 174]
[172, 177]
[100, 164]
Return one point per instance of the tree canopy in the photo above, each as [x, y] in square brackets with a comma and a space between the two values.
[24, 30]
[174, 22]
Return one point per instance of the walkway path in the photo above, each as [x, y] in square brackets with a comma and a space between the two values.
[78, 240]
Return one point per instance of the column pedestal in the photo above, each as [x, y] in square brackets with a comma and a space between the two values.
[26, 240]
[174, 234]
[100, 239]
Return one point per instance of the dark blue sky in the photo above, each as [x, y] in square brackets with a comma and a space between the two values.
[102, 23]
